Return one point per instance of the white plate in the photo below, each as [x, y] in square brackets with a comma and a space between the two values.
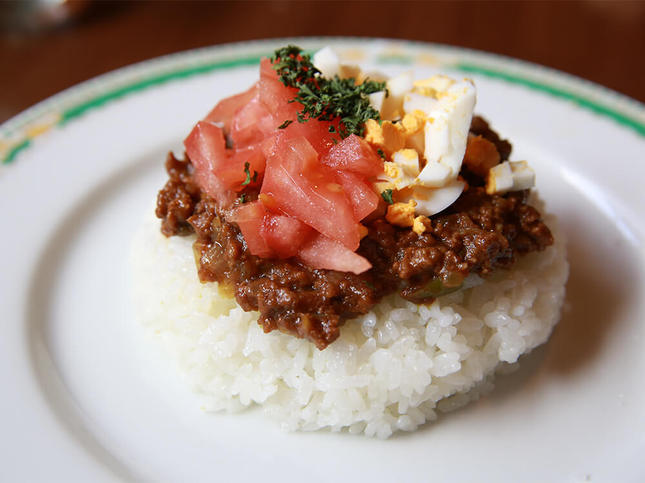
[86, 397]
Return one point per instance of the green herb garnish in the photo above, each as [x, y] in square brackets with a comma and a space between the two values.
[380, 152]
[249, 178]
[326, 99]
[387, 196]
[285, 124]
[242, 198]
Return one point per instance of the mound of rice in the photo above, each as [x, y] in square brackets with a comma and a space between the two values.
[389, 369]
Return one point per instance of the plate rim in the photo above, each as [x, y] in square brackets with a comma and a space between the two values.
[18, 132]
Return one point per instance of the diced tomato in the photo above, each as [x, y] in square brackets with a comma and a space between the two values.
[218, 169]
[206, 148]
[249, 217]
[313, 192]
[355, 155]
[305, 190]
[275, 96]
[316, 132]
[226, 108]
[296, 153]
[251, 124]
[269, 144]
[212, 186]
[284, 234]
[325, 253]
[235, 174]
[362, 197]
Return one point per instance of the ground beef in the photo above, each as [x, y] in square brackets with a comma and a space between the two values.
[176, 201]
[477, 234]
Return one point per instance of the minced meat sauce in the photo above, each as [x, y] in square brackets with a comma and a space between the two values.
[479, 233]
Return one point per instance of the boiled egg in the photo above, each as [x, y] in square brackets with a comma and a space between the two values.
[509, 176]
[434, 119]
[424, 132]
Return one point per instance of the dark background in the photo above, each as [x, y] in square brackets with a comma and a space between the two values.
[603, 41]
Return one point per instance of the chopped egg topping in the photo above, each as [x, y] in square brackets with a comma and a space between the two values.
[423, 133]
[401, 214]
[509, 176]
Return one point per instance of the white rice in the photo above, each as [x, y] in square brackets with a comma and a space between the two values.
[389, 369]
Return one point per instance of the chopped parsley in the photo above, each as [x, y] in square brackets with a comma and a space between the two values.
[285, 124]
[242, 198]
[380, 152]
[249, 178]
[387, 196]
[323, 98]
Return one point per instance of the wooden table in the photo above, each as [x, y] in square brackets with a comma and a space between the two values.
[603, 41]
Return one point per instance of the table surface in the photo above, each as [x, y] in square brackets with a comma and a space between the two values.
[602, 41]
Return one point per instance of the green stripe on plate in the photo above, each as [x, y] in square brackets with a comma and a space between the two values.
[78, 110]
[13, 152]
[628, 121]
